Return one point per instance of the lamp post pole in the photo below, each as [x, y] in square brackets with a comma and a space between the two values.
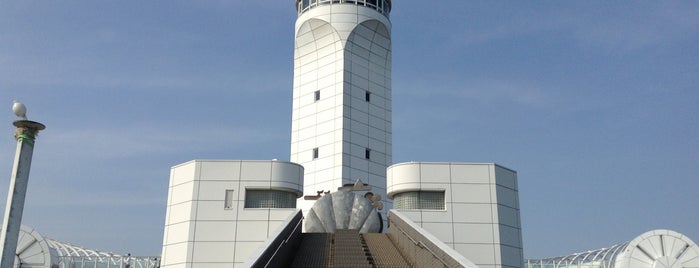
[25, 135]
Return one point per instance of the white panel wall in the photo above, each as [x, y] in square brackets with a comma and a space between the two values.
[342, 51]
[481, 217]
[201, 232]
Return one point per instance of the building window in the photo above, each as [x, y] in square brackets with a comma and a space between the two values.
[315, 153]
[382, 6]
[228, 203]
[316, 95]
[367, 96]
[367, 153]
[269, 199]
[431, 200]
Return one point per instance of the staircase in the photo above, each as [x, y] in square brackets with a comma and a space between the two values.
[314, 251]
[384, 253]
[347, 249]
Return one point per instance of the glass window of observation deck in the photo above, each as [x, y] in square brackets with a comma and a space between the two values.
[382, 6]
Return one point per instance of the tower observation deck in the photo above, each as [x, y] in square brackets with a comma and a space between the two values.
[383, 6]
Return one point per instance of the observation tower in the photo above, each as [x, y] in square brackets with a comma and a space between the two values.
[341, 118]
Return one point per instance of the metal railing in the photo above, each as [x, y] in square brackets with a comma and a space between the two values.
[600, 258]
[405, 234]
[567, 264]
[383, 6]
[421, 245]
[108, 262]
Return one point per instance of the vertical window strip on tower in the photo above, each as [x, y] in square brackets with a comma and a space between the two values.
[229, 199]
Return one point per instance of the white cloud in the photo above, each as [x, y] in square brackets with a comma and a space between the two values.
[485, 91]
[614, 28]
[133, 141]
[503, 91]
[638, 28]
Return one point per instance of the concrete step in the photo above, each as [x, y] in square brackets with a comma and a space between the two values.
[384, 253]
[348, 249]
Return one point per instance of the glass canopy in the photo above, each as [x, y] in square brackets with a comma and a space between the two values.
[35, 250]
[70, 256]
[601, 258]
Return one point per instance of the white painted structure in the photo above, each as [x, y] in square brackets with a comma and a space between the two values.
[221, 211]
[37, 251]
[341, 133]
[341, 118]
[473, 208]
[652, 249]
[25, 134]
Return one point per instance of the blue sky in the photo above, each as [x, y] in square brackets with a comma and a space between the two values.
[594, 103]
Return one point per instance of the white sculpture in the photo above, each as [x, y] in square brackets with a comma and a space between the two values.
[19, 109]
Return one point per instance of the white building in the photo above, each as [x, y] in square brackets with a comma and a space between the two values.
[341, 133]
[220, 211]
[233, 213]
[471, 207]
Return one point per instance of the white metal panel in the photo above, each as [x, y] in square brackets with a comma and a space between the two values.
[280, 214]
[508, 216]
[180, 212]
[480, 254]
[253, 230]
[182, 192]
[207, 252]
[178, 232]
[473, 213]
[441, 230]
[471, 193]
[470, 173]
[243, 250]
[220, 170]
[481, 233]
[506, 177]
[442, 216]
[215, 231]
[510, 256]
[255, 170]
[506, 196]
[434, 173]
[176, 254]
[214, 210]
[183, 173]
[215, 190]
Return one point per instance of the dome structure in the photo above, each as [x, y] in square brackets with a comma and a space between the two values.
[33, 250]
[653, 249]
[659, 249]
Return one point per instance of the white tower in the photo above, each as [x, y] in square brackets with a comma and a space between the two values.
[341, 119]
[25, 134]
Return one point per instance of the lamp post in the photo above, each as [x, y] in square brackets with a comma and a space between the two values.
[25, 134]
